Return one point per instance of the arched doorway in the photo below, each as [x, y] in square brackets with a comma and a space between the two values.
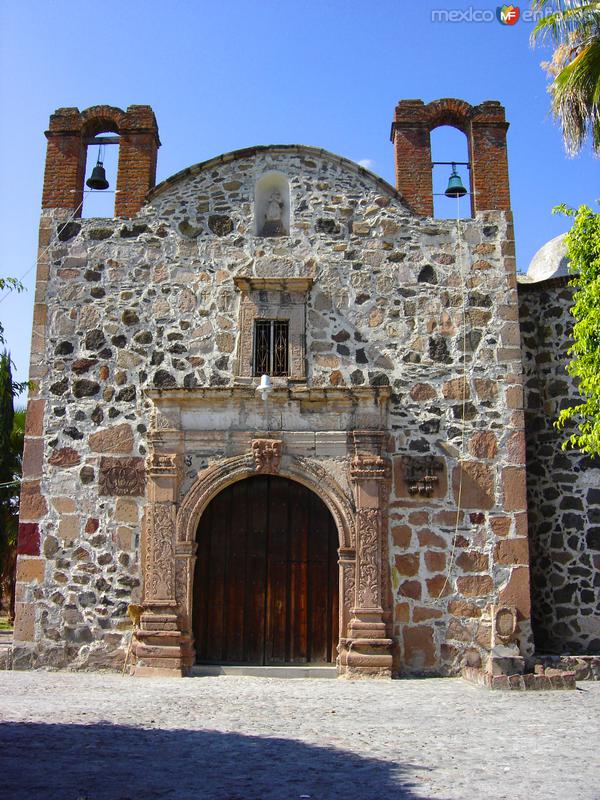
[266, 585]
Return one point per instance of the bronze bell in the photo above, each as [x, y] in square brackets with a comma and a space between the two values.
[455, 185]
[97, 179]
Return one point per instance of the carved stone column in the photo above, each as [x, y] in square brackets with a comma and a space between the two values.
[368, 648]
[158, 648]
[185, 560]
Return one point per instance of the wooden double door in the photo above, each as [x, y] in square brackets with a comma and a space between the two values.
[266, 579]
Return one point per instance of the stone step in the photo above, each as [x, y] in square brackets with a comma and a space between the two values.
[285, 671]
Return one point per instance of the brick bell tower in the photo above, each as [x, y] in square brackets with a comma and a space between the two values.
[484, 126]
[68, 136]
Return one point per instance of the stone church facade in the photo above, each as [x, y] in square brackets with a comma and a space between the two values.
[155, 476]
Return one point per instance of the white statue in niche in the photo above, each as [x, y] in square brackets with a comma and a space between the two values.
[273, 224]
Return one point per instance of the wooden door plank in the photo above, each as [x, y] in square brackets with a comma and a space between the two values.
[256, 558]
[318, 579]
[277, 572]
[333, 599]
[217, 577]
[298, 585]
[201, 597]
[236, 574]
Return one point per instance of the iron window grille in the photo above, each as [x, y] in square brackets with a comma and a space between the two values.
[271, 347]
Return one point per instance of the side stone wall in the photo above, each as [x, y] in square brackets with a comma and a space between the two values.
[563, 486]
[127, 306]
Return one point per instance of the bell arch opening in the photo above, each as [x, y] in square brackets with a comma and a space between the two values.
[266, 582]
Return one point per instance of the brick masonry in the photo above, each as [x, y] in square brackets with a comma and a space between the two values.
[129, 308]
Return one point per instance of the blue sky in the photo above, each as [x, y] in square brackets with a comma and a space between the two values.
[220, 76]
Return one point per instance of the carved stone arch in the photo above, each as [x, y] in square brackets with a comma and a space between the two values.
[214, 479]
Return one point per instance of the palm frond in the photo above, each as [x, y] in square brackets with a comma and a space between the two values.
[576, 99]
[560, 24]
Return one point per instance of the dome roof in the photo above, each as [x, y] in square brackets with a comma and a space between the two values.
[550, 261]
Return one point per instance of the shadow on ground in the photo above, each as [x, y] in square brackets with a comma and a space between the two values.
[114, 762]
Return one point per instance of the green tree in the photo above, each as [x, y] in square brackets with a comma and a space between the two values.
[583, 251]
[573, 26]
[12, 435]
[10, 284]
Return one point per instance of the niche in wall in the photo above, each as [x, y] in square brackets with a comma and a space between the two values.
[272, 205]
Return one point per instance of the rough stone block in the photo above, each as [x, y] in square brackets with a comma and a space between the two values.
[460, 608]
[118, 439]
[516, 592]
[514, 488]
[126, 511]
[24, 630]
[435, 561]
[64, 457]
[125, 538]
[475, 585]
[33, 504]
[512, 551]
[64, 505]
[419, 647]
[483, 444]
[30, 570]
[401, 535]
[472, 561]
[34, 419]
[69, 528]
[477, 487]
[439, 586]
[33, 458]
[28, 542]
[407, 564]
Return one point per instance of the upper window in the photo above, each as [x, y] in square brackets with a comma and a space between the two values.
[271, 347]
[272, 326]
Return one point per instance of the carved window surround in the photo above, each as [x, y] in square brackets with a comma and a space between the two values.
[272, 298]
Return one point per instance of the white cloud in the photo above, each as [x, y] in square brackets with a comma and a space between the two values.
[367, 163]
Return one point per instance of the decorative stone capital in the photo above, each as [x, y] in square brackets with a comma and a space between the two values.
[368, 467]
[162, 464]
[267, 455]
[368, 463]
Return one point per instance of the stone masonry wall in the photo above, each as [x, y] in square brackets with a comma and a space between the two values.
[562, 485]
[124, 306]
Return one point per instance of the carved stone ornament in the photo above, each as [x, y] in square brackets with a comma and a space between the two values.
[159, 422]
[160, 556]
[122, 477]
[421, 475]
[162, 463]
[366, 467]
[505, 623]
[267, 455]
[349, 584]
[368, 521]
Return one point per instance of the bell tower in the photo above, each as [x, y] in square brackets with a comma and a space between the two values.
[484, 126]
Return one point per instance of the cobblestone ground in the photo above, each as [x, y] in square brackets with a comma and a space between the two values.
[102, 737]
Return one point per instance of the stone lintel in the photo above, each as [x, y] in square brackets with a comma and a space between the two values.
[346, 396]
[250, 283]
